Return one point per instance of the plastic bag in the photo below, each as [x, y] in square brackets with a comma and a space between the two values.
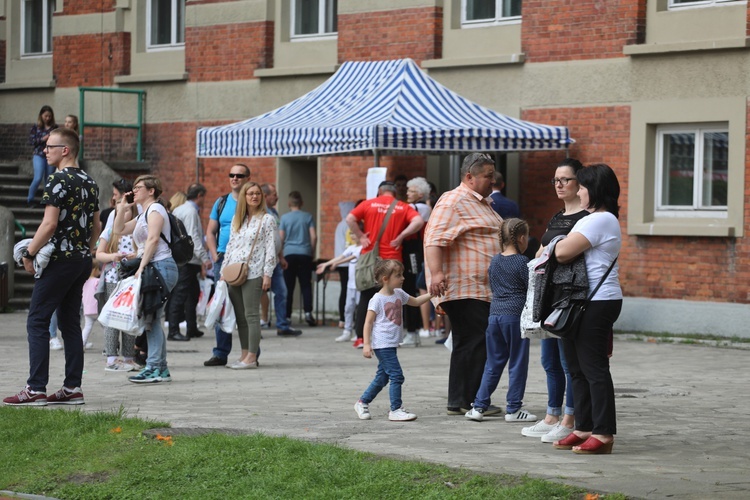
[122, 310]
[228, 320]
[529, 328]
[205, 287]
[216, 304]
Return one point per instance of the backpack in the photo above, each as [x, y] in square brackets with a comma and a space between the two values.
[181, 244]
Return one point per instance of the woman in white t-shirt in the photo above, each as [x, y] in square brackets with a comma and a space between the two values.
[598, 238]
[151, 231]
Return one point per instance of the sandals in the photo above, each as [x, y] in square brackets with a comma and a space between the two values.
[593, 446]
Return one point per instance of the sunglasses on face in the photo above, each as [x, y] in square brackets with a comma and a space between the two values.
[237, 176]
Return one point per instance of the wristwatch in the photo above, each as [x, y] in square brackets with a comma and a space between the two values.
[26, 255]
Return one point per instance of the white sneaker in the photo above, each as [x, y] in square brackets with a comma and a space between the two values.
[88, 346]
[475, 414]
[401, 415]
[363, 410]
[344, 337]
[539, 429]
[410, 339]
[265, 324]
[557, 433]
[55, 344]
[424, 333]
[119, 366]
[520, 416]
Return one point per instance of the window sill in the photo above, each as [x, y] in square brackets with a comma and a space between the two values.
[474, 61]
[296, 71]
[42, 84]
[166, 77]
[687, 227]
[662, 48]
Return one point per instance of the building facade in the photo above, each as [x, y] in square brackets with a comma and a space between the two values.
[658, 89]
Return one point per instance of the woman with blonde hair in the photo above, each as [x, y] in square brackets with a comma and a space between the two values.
[151, 231]
[251, 241]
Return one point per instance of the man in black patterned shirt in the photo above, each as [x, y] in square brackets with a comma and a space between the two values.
[71, 224]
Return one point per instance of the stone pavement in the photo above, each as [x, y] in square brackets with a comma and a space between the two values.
[680, 408]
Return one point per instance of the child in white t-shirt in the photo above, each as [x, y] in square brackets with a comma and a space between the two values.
[350, 255]
[382, 334]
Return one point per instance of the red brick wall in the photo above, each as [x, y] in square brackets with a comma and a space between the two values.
[90, 60]
[393, 34]
[650, 266]
[77, 7]
[228, 51]
[565, 30]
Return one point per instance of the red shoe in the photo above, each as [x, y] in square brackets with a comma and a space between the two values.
[66, 397]
[569, 442]
[593, 446]
[359, 343]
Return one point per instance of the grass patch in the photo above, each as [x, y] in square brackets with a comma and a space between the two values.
[72, 454]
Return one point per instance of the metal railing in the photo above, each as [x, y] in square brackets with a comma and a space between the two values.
[139, 126]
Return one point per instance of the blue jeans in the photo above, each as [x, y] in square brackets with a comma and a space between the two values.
[157, 341]
[278, 287]
[558, 377]
[223, 339]
[388, 369]
[53, 326]
[41, 171]
[504, 346]
[59, 288]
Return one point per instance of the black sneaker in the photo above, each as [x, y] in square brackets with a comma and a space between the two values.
[310, 320]
[214, 361]
[178, 337]
[289, 332]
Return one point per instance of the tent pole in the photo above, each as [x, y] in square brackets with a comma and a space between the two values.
[377, 158]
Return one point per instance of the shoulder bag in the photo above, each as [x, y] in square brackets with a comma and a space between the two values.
[364, 274]
[565, 321]
[236, 274]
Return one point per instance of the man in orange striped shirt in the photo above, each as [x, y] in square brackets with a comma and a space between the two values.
[462, 236]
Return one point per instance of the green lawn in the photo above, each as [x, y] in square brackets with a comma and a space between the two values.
[77, 455]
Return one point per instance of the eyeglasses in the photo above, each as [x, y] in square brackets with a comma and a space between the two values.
[253, 193]
[136, 188]
[563, 181]
[52, 146]
[237, 176]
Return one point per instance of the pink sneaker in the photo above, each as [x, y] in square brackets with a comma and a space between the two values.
[27, 397]
[66, 397]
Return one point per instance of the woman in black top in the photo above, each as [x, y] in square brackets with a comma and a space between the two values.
[558, 424]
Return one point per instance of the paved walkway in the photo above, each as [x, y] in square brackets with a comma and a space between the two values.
[681, 413]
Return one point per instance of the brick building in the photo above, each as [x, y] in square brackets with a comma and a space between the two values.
[656, 88]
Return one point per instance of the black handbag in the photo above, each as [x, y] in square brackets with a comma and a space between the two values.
[565, 321]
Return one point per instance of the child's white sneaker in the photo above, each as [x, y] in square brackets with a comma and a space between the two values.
[363, 410]
[520, 415]
[424, 333]
[55, 344]
[476, 414]
[346, 336]
[401, 415]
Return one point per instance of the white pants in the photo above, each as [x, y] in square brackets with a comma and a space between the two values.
[352, 298]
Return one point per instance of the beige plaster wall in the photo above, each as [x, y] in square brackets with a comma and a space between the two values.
[692, 24]
[359, 6]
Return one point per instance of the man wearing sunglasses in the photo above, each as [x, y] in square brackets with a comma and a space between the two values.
[71, 225]
[217, 237]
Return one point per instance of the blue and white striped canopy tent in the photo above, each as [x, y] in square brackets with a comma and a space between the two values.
[382, 106]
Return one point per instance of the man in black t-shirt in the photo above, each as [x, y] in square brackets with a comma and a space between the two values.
[71, 224]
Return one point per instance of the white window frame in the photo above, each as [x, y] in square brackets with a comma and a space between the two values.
[696, 210]
[46, 30]
[320, 35]
[498, 20]
[673, 5]
[173, 44]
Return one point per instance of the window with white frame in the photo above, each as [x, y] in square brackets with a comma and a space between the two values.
[165, 24]
[677, 4]
[692, 169]
[485, 12]
[314, 18]
[36, 27]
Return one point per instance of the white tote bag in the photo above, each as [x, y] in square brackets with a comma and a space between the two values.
[122, 310]
[530, 329]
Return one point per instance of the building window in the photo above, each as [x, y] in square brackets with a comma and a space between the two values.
[677, 4]
[484, 12]
[692, 169]
[36, 27]
[165, 24]
[314, 18]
